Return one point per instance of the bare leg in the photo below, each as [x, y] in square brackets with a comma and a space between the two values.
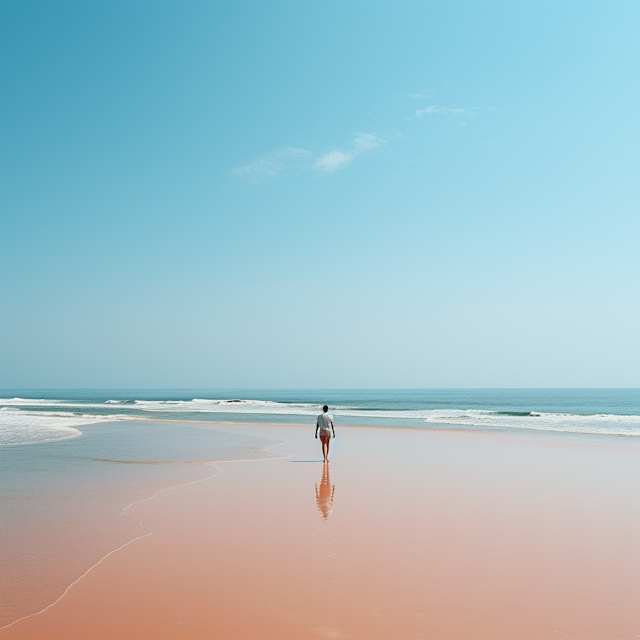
[325, 447]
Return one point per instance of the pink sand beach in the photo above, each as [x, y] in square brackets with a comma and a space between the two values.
[406, 533]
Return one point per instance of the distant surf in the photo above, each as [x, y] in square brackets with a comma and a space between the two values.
[33, 417]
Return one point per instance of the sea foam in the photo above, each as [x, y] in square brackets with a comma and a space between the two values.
[20, 427]
[35, 420]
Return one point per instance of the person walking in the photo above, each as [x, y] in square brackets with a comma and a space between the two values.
[324, 427]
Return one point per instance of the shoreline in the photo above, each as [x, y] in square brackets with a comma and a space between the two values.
[65, 509]
[98, 590]
[613, 439]
[600, 439]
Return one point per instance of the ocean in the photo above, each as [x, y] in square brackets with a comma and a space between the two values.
[72, 461]
[31, 416]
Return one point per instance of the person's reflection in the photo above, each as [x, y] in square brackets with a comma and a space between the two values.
[324, 492]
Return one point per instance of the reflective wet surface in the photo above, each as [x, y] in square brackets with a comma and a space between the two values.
[325, 492]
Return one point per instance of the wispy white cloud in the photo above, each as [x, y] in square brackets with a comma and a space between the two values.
[425, 93]
[366, 142]
[451, 112]
[287, 159]
[333, 160]
[454, 112]
[273, 164]
[430, 110]
[339, 158]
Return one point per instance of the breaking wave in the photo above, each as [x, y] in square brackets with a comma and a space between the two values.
[25, 420]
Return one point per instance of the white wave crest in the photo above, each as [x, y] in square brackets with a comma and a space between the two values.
[201, 405]
[610, 424]
[21, 402]
[23, 427]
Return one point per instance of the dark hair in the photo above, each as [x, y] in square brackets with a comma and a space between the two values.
[325, 408]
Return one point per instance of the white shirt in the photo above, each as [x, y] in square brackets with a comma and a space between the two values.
[325, 422]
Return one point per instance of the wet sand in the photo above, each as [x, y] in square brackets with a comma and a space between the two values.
[407, 534]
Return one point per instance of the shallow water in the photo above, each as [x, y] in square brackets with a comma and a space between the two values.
[63, 503]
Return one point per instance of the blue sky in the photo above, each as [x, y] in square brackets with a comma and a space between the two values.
[319, 194]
